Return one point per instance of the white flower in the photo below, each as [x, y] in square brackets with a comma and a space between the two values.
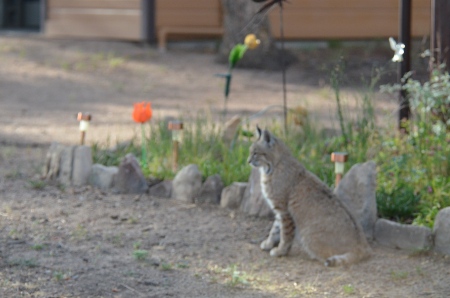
[398, 48]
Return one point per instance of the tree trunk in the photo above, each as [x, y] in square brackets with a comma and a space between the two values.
[240, 19]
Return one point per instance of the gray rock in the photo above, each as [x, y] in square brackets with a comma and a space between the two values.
[82, 163]
[66, 165]
[357, 191]
[187, 184]
[102, 176]
[162, 189]
[129, 178]
[210, 191]
[395, 235]
[253, 202]
[52, 161]
[230, 129]
[441, 231]
[232, 195]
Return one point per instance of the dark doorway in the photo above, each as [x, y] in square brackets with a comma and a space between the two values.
[20, 14]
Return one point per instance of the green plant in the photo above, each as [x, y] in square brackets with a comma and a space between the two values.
[37, 184]
[137, 245]
[140, 254]
[37, 246]
[166, 266]
[399, 275]
[30, 263]
[59, 276]
[348, 289]
[235, 277]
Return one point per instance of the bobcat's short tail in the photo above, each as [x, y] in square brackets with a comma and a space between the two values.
[345, 259]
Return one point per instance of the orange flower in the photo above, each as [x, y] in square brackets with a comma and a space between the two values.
[142, 112]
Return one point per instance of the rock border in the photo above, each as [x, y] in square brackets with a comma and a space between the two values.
[72, 166]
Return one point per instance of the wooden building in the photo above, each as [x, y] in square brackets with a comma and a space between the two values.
[143, 20]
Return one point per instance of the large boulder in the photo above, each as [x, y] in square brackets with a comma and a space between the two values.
[210, 191]
[253, 202]
[401, 236]
[187, 184]
[82, 163]
[441, 231]
[357, 191]
[129, 178]
[232, 195]
[102, 177]
[69, 165]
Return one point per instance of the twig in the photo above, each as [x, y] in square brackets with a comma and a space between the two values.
[131, 289]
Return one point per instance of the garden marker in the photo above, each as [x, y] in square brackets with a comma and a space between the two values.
[176, 127]
[84, 124]
[339, 159]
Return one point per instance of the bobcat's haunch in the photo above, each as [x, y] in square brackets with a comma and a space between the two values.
[305, 205]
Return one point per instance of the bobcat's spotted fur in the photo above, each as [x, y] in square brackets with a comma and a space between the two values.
[304, 204]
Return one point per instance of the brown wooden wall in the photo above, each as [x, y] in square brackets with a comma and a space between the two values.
[116, 19]
[303, 19]
[329, 19]
[188, 13]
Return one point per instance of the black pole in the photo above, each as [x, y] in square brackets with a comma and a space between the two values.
[148, 8]
[405, 65]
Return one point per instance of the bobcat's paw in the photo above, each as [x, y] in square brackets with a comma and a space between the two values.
[278, 252]
[267, 244]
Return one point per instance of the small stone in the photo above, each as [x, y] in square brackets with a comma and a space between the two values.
[210, 191]
[187, 184]
[232, 195]
[130, 179]
[102, 176]
[441, 231]
[357, 191]
[82, 163]
[253, 202]
[396, 235]
[162, 189]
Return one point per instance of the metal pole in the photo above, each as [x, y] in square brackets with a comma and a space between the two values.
[283, 69]
[405, 65]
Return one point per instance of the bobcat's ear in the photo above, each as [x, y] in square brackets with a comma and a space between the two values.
[268, 138]
[258, 131]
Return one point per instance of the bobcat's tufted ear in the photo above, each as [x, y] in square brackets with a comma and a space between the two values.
[268, 138]
[258, 131]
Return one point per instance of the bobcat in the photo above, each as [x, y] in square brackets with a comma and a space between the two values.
[304, 204]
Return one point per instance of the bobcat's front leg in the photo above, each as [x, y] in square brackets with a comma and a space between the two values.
[287, 234]
[274, 236]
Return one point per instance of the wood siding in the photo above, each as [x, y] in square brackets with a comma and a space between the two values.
[115, 19]
[193, 13]
[303, 19]
[333, 19]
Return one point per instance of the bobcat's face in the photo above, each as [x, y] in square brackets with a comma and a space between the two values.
[262, 151]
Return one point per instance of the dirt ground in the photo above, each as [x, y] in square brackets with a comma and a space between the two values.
[80, 242]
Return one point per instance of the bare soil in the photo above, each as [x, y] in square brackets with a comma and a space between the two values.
[81, 242]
